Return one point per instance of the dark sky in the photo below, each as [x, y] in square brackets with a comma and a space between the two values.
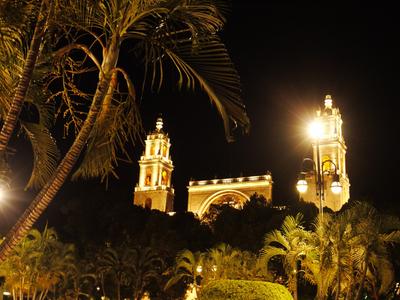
[289, 56]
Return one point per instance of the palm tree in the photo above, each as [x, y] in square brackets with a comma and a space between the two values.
[351, 253]
[146, 267]
[289, 244]
[115, 264]
[38, 264]
[224, 262]
[180, 32]
[188, 266]
[371, 234]
[321, 263]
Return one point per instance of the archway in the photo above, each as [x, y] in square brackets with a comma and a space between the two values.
[231, 197]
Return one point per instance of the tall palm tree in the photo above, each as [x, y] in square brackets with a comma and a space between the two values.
[181, 32]
[289, 244]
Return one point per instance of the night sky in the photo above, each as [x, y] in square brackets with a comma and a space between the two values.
[289, 56]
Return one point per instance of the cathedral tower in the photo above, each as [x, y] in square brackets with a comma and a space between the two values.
[154, 189]
[329, 149]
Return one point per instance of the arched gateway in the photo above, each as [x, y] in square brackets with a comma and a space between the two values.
[232, 191]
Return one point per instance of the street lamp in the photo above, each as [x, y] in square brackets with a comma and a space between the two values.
[4, 177]
[4, 188]
[302, 184]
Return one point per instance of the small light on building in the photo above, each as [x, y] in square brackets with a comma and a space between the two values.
[199, 269]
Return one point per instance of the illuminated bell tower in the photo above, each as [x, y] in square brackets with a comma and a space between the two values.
[330, 146]
[154, 189]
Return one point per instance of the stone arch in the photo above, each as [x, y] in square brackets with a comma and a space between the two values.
[212, 198]
[148, 203]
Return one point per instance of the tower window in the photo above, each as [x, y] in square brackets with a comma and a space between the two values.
[148, 178]
[164, 177]
[164, 151]
[153, 150]
[326, 163]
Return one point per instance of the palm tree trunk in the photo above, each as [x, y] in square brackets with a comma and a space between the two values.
[118, 290]
[364, 274]
[48, 192]
[295, 286]
[20, 93]
[338, 269]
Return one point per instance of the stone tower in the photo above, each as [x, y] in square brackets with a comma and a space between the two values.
[154, 189]
[330, 147]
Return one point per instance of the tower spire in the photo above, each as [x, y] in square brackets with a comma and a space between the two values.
[328, 101]
[159, 124]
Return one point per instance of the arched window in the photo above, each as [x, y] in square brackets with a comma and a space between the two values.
[164, 177]
[326, 163]
[147, 203]
[148, 177]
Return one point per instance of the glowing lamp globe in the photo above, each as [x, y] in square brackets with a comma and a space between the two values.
[302, 186]
[315, 130]
[336, 187]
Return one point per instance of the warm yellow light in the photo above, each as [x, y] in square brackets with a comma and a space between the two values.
[336, 187]
[301, 186]
[199, 269]
[315, 130]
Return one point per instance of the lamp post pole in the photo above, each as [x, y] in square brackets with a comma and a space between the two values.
[320, 188]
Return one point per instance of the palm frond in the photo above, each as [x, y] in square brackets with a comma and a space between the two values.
[118, 125]
[45, 151]
[211, 68]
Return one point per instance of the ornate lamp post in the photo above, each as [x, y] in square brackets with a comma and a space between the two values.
[302, 184]
[316, 132]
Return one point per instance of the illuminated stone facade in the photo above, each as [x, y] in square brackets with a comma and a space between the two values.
[332, 147]
[154, 189]
[232, 191]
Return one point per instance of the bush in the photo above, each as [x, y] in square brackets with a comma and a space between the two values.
[244, 290]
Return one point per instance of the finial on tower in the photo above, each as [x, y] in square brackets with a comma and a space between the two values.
[159, 124]
[328, 101]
